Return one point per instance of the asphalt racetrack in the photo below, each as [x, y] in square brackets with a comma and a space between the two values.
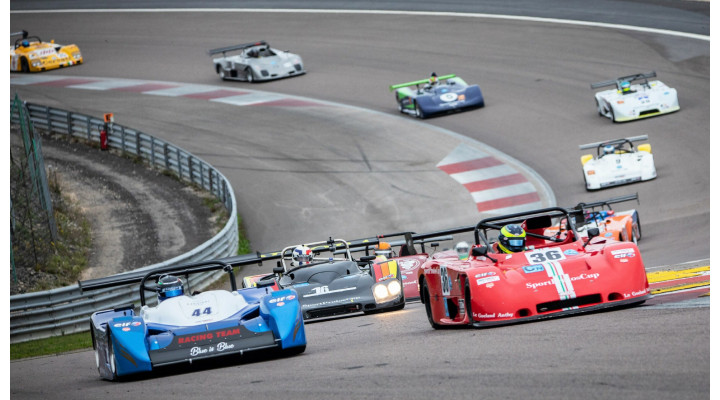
[308, 169]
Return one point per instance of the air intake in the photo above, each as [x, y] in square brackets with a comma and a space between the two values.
[576, 302]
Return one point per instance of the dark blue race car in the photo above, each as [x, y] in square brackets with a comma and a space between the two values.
[184, 327]
[437, 95]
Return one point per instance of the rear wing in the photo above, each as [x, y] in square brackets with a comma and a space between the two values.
[236, 47]
[630, 78]
[581, 207]
[613, 142]
[420, 82]
[22, 33]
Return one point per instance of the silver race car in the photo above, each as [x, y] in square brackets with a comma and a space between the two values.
[629, 101]
[617, 162]
[257, 61]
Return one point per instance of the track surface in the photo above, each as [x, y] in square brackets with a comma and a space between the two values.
[535, 77]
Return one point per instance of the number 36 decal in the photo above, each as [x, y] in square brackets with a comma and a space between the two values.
[544, 255]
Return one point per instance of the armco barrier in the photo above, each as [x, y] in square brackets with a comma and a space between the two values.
[67, 310]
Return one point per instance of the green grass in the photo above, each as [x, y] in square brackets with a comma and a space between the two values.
[53, 345]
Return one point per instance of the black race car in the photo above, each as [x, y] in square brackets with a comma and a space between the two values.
[335, 284]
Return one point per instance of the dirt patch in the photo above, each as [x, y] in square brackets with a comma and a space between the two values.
[138, 215]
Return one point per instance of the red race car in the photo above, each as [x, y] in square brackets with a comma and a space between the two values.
[547, 276]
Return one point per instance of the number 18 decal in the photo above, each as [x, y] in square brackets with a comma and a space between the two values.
[538, 256]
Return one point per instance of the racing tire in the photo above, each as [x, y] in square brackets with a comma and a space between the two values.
[24, 66]
[597, 106]
[428, 307]
[468, 303]
[637, 231]
[222, 74]
[612, 114]
[418, 111]
[249, 76]
[112, 361]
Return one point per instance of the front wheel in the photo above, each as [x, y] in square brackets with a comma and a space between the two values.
[249, 75]
[468, 301]
[111, 359]
[637, 231]
[418, 111]
[428, 307]
[24, 66]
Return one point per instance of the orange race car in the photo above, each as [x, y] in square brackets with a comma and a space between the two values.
[617, 225]
[30, 54]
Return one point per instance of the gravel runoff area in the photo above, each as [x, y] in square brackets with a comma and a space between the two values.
[138, 215]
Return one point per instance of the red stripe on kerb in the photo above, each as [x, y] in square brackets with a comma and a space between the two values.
[214, 94]
[508, 201]
[64, 82]
[145, 87]
[470, 165]
[288, 103]
[493, 183]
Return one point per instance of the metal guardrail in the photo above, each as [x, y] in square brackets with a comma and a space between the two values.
[67, 310]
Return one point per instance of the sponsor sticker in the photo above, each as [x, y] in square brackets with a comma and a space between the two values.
[533, 268]
[570, 252]
[489, 279]
[623, 253]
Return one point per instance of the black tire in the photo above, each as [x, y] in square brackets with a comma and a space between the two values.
[597, 106]
[221, 72]
[428, 307]
[249, 76]
[24, 66]
[418, 111]
[612, 114]
[637, 233]
[468, 303]
[111, 358]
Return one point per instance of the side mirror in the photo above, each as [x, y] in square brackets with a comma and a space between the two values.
[479, 251]
[592, 233]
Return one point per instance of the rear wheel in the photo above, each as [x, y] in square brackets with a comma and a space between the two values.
[428, 307]
[637, 231]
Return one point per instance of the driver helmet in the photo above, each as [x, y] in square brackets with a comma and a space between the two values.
[625, 86]
[383, 249]
[609, 149]
[169, 286]
[511, 238]
[302, 255]
[463, 250]
[25, 43]
[433, 78]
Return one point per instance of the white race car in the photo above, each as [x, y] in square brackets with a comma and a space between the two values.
[257, 61]
[617, 162]
[630, 101]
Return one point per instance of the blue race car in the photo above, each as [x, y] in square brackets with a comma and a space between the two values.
[185, 327]
[437, 95]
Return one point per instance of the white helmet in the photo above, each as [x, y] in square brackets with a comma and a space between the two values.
[302, 255]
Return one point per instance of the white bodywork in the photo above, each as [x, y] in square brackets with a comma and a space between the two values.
[644, 101]
[205, 307]
[254, 65]
[619, 169]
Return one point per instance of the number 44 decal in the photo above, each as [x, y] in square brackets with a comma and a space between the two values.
[544, 255]
[197, 313]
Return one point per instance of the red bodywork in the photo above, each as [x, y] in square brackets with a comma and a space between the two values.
[552, 279]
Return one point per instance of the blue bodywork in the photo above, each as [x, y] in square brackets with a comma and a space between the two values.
[450, 94]
[126, 344]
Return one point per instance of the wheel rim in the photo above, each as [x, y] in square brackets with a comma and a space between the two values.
[222, 73]
[250, 77]
[97, 358]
